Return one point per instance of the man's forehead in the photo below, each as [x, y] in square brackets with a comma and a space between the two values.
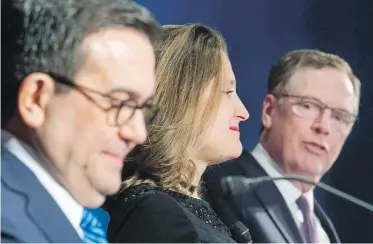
[123, 61]
[117, 43]
[330, 86]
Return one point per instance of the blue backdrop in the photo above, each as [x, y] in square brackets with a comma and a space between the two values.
[258, 32]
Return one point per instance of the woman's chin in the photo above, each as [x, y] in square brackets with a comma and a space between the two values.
[229, 156]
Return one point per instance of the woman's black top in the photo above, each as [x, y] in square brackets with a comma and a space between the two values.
[143, 213]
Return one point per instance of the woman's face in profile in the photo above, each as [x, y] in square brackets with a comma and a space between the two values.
[223, 142]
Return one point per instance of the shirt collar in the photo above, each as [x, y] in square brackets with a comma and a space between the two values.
[310, 198]
[286, 188]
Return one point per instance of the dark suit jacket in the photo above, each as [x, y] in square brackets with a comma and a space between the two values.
[263, 210]
[28, 212]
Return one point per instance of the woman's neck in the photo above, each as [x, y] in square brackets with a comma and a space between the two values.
[200, 169]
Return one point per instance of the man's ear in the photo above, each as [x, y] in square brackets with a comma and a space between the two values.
[34, 94]
[267, 110]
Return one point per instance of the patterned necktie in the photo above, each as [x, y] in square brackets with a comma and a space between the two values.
[308, 227]
[92, 227]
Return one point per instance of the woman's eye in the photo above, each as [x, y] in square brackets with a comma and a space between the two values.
[229, 92]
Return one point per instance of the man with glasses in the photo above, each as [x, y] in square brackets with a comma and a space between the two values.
[77, 78]
[310, 108]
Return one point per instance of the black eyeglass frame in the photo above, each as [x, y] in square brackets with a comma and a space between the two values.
[115, 103]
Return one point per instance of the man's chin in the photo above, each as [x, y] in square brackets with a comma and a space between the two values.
[312, 174]
[101, 198]
[94, 201]
[113, 189]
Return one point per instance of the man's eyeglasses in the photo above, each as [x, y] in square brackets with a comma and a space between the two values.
[312, 108]
[119, 112]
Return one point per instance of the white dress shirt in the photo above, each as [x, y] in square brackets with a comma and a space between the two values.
[69, 206]
[289, 192]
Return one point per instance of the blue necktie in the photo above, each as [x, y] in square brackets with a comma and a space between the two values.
[92, 226]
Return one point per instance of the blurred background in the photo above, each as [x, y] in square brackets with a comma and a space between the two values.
[259, 32]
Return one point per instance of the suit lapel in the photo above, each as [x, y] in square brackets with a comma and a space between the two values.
[41, 207]
[272, 201]
[279, 212]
